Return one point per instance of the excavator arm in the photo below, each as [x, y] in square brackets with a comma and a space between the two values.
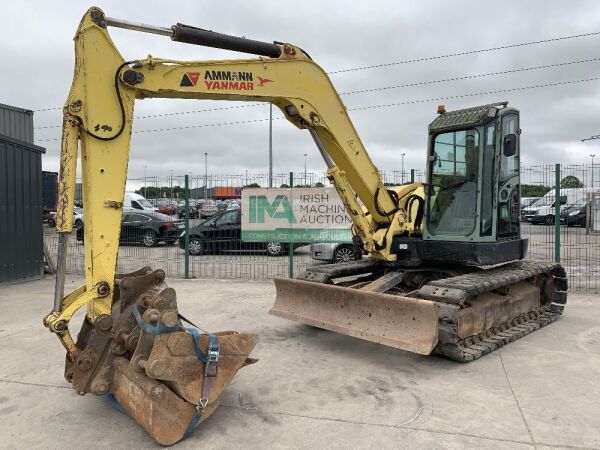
[98, 115]
[132, 338]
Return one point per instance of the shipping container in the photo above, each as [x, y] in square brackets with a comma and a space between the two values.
[21, 245]
[16, 123]
[49, 190]
[223, 192]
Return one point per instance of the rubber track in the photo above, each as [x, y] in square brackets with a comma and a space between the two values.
[475, 347]
[476, 283]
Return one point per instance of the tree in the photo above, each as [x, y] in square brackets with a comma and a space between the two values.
[163, 191]
[319, 184]
[284, 186]
[252, 185]
[534, 190]
[571, 181]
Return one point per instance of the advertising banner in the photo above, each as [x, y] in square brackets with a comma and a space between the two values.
[294, 215]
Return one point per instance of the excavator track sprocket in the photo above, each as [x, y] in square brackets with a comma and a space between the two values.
[144, 358]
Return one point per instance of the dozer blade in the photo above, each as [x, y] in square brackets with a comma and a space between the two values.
[154, 367]
[401, 322]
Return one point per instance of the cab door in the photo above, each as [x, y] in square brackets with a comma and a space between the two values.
[509, 203]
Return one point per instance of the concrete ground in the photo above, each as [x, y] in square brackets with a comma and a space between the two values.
[317, 389]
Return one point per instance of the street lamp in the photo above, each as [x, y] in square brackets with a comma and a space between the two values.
[145, 182]
[305, 168]
[593, 156]
[402, 154]
[205, 175]
[270, 145]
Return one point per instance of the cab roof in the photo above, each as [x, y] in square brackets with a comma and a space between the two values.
[464, 118]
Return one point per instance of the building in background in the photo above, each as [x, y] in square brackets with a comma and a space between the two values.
[21, 245]
[49, 191]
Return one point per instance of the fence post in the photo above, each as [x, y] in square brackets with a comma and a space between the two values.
[186, 258]
[291, 244]
[557, 215]
[412, 175]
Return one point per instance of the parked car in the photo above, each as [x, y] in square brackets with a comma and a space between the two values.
[77, 218]
[193, 212]
[575, 215]
[222, 206]
[146, 228]
[526, 202]
[334, 252]
[232, 205]
[543, 210]
[167, 208]
[208, 209]
[223, 233]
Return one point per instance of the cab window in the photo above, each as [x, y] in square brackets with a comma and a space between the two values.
[454, 169]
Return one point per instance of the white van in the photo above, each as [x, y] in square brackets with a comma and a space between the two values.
[137, 202]
[543, 211]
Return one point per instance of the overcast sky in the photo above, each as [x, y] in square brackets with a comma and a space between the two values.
[37, 67]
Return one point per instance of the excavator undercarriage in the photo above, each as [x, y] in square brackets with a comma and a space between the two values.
[461, 313]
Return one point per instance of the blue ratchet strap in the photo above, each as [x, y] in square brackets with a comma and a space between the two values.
[210, 369]
[157, 329]
[112, 401]
[210, 361]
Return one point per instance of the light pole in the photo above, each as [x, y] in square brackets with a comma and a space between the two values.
[145, 185]
[305, 169]
[205, 175]
[270, 145]
[171, 188]
[592, 138]
[402, 166]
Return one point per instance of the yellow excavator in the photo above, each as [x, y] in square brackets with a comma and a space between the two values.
[444, 274]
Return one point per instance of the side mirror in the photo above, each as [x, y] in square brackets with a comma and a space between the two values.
[509, 146]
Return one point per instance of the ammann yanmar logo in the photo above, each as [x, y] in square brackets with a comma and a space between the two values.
[219, 80]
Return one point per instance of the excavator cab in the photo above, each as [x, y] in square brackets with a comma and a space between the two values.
[472, 190]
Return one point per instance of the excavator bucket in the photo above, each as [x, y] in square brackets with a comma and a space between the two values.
[167, 377]
[402, 322]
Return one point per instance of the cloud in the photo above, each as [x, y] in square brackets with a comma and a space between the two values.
[38, 67]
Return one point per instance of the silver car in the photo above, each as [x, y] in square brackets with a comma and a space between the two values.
[333, 252]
